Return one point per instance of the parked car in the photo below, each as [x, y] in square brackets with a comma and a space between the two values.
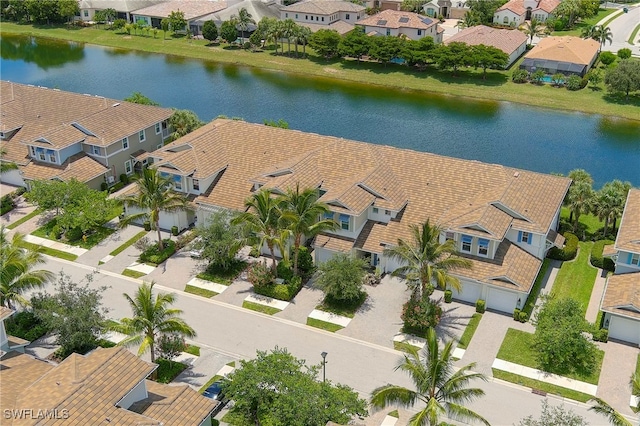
[196, 248]
[214, 391]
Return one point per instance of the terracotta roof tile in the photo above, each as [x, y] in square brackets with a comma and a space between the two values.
[5, 312]
[398, 19]
[517, 6]
[622, 295]
[341, 27]
[192, 9]
[565, 49]
[79, 166]
[506, 40]
[323, 7]
[628, 238]
[334, 243]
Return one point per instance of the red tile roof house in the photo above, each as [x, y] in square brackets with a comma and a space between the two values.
[511, 42]
[397, 23]
[621, 300]
[503, 219]
[516, 12]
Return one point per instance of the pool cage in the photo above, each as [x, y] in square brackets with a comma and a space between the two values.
[551, 67]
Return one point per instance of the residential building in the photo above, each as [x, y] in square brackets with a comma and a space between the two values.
[106, 386]
[516, 12]
[9, 343]
[388, 4]
[123, 8]
[330, 14]
[258, 9]
[621, 300]
[503, 219]
[567, 55]
[398, 23]
[194, 12]
[446, 8]
[92, 139]
[511, 42]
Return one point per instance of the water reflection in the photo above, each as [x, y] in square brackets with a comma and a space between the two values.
[44, 53]
[621, 130]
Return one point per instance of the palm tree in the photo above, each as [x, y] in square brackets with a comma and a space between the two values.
[469, 20]
[304, 34]
[288, 32]
[301, 212]
[5, 165]
[615, 418]
[590, 31]
[18, 274]
[534, 28]
[442, 390]
[603, 35]
[635, 390]
[263, 219]
[426, 260]
[243, 20]
[152, 317]
[580, 200]
[154, 194]
[609, 202]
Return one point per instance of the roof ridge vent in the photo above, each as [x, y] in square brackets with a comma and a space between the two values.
[116, 104]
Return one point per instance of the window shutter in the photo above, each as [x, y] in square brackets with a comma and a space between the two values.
[530, 238]
[519, 236]
[629, 257]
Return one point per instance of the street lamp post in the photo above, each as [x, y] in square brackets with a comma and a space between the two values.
[324, 366]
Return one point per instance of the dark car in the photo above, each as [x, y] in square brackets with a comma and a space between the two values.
[214, 391]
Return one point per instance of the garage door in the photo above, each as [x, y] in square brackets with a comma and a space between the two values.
[12, 177]
[322, 255]
[470, 292]
[624, 329]
[390, 264]
[501, 300]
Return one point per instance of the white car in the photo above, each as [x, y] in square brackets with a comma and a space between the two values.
[196, 249]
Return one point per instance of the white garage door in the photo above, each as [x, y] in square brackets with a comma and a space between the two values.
[390, 264]
[12, 177]
[322, 255]
[470, 292]
[502, 300]
[624, 329]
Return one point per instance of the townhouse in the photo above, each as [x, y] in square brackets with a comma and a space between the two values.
[516, 12]
[329, 14]
[398, 23]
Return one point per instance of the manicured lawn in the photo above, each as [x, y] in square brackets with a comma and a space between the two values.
[465, 339]
[221, 276]
[468, 82]
[193, 350]
[200, 291]
[49, 251]
[634, 34]
[588, 224]
[133, 274]
[97, 235]
[394, 413]
[577, 30]
[324, 325]
[210, 382]
[517, 347]
[576, 278]
[535, 291]
[260, 308]
[404, 347]
[131, 241]
[343, 309]
[25, 218]
[168, 370]
[544, 386]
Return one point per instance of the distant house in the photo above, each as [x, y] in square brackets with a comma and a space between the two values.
[258, 9]
[621, 300]
[194, 11]
[511, 42]
[318, 14]
[123, 8]
[52, 134]
[106, 386]
[515, 12]
[450, 9]
[567, 55]
[397, 23]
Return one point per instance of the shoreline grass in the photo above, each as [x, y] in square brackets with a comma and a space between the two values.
[198, 291]
[467, 83]
[260, 308]
[328, 326]
[469, 331]
[131, 241]
[23, 219]
[544, 386]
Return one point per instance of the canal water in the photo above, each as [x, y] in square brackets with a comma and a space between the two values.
[495, 132]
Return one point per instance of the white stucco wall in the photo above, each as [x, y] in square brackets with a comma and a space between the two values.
[13, 177]
[623, 328]
[136, 394]
[512, 18]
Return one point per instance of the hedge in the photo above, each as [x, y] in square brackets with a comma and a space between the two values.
[597, 260]
[25, 325]
[284, 292]
[6, 204]
[155, 256]
[568, 252]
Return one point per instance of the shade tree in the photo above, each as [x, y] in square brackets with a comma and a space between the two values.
[210, 31]
[625, 78]
[325, 43]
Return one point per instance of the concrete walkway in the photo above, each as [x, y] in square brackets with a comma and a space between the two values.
[56, 245]
[301, 305]
[596, 296]
[106, 246]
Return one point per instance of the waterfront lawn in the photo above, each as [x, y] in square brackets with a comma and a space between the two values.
[576, 278]
[589, 226]
[468, 82]
[577, 29]
[469, 331]
[517, 347]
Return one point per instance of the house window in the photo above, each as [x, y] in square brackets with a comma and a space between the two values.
[33, 151]
[41, 155]
[388, 31]
[196, 185]
[449, 236]
[141, 136]
[125, 143]
[375, 210]
[505, 20]
[158, 128]
[177, 182]
[526, 237]
[466, 243]
[344, 222]
[419, 32]
[323, 19]
[86, 13]
[296, 16]
[635, 259]
[52, 156]
[127, 167]
[387, 212]
[96, 150]
[306, 17]
[348, 17]
[286, 15]
[483, 247]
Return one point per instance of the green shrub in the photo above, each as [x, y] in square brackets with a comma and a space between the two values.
[215, 422]
[254, 252]
[117, 187]
[558, 79]
[523, 317]
[306, 267]
[448, 296]
[124, 178]
[174, 231]
[568, 252]
[601, 335]
[104, 186]
[154, 255]
[147, 225]
[575, 82]
[519, 76]
[6, 204]
[624, 53]
[419, 314]
[596, 258]
[607, 58]
[284, 270]
[25, 325]
[481, 306]
[284, 292]
[260, 275]
[74, 234]
[516, 314]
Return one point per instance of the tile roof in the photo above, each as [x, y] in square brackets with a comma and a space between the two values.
[118, 5]
[565, 49]
[334, 243]
[79, 166]
[506, 40]
[323, 7]
[398, 19]
[622, 295]
[192, 9]
[628, 238]
[518, 7]
[5, 313]
[342, 27]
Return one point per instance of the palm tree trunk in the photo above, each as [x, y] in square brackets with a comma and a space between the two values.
[160, 242]
[273, 259]
[154, 375]
[296, 249]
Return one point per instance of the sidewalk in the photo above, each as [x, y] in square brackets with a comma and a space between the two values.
[78, 251]
[596, 296]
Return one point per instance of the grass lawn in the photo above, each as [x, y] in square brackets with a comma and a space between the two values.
[193, 350]
[260, 308]
[25, 218]
[404, 347]
[577, 30]
[343, 309]
[536, 384]
[517, 347]
[168, 370]
[133, 274]
[210, 382]
[131, 241]
[200, 291]
[535, 290]
[49, 251]
[576, 278]
[394, 413]
[324, 325]
[467, 83]
[588, 224]
[223, 277]
[634, 33]
[469, 331]
[91, 241]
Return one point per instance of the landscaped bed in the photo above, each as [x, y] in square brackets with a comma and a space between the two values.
[90, 240]
[224, 277]
[535, 290]
[260, 308]
[199, 291]
[154, 256]
[342, 308]
[168, 370]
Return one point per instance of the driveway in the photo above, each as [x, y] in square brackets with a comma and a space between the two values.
[617, 367]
